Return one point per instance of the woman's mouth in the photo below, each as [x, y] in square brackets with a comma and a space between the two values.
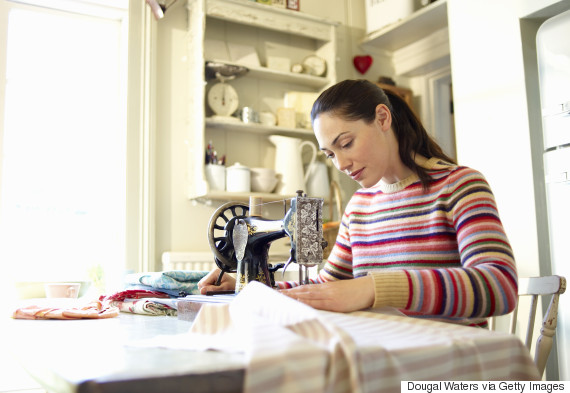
[356, 175]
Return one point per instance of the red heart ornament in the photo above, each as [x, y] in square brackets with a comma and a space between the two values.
[362, 63]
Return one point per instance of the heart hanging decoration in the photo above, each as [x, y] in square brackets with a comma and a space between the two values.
[362, 63]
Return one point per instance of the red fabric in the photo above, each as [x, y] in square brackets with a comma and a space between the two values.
[133, 294]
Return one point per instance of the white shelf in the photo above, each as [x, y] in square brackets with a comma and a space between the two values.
[270, 18]
[420, 24]
[257, 128]
[289, 77]
[244, 196]
[280, 76]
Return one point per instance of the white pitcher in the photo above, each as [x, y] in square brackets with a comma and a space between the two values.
[318, 185]
[289, 165]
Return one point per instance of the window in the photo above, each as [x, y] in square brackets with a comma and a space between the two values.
[63, 141]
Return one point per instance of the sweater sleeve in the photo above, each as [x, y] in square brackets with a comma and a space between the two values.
[486, 282]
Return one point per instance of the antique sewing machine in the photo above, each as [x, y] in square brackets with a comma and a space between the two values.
[240, 239]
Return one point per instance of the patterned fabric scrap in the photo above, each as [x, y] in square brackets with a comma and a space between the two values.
[145, 307]
[138, 301]
[92, 310]
[179, 280]
[133, 294]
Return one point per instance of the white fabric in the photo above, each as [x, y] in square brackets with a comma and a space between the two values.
[290, 347]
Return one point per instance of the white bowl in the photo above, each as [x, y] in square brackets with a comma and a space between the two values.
[263, 183]
[262, 172]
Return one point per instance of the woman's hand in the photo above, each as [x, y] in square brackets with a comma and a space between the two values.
[208, 282]
[341, 296]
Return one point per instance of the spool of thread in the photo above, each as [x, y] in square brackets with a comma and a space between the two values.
[255, 206]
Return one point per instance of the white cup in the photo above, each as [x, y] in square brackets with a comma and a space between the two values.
[68, 290]
[238, 178]
[216, 177]
[267, 118]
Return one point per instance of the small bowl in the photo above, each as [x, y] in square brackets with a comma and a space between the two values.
[262, 172]
[263, 183]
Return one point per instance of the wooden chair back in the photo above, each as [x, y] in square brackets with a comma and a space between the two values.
[534, 287]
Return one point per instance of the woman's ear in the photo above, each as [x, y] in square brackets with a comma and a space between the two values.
[383, 117]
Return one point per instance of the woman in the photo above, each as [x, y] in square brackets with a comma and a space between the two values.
[422, 235]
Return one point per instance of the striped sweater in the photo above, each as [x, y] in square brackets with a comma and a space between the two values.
[441, 254]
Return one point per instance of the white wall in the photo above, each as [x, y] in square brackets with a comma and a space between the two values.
[492, 131]
[497, 115]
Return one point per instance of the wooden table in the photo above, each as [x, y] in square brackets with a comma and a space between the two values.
[89, 356]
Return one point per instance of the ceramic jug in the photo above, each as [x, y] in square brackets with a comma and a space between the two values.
[289, 163]
[318, 184]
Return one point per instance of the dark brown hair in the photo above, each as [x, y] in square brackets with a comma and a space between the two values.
[355, 100]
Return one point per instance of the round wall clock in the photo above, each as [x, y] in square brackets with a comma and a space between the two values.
[223, 99]
[315, 65]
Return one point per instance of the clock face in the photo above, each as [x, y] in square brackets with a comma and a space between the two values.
[223, 99]
[315, 65]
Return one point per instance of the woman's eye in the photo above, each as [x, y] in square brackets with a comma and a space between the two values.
[330, 155]
[346, 145]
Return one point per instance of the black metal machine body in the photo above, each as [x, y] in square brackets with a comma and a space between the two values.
[240, 239]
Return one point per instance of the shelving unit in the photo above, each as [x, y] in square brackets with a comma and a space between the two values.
[287, 77]
[244, 22]
[258, 128]
[415, 27]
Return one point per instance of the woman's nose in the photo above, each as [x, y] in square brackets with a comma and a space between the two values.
[342, 162]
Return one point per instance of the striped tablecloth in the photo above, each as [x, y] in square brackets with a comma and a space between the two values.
[291, 347]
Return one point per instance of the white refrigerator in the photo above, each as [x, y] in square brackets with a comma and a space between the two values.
[553, 48]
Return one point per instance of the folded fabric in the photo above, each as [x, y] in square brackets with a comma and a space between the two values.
[173, 293]
[92, 310]
[180, 280]
[133, 294]
[144, 307]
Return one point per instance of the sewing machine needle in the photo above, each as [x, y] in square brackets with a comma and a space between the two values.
[286, 265]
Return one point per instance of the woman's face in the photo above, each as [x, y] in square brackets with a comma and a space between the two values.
[363, 151]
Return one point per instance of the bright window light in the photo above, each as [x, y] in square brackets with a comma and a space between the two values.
[62, 208]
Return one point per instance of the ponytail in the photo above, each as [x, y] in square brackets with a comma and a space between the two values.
[413, 138]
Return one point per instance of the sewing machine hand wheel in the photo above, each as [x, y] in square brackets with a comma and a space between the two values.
[219, 235]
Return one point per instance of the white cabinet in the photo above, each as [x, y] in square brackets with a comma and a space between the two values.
[272, 32]
[417, 44]
[416, 26]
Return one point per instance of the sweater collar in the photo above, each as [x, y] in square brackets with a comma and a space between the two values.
[390, 188]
